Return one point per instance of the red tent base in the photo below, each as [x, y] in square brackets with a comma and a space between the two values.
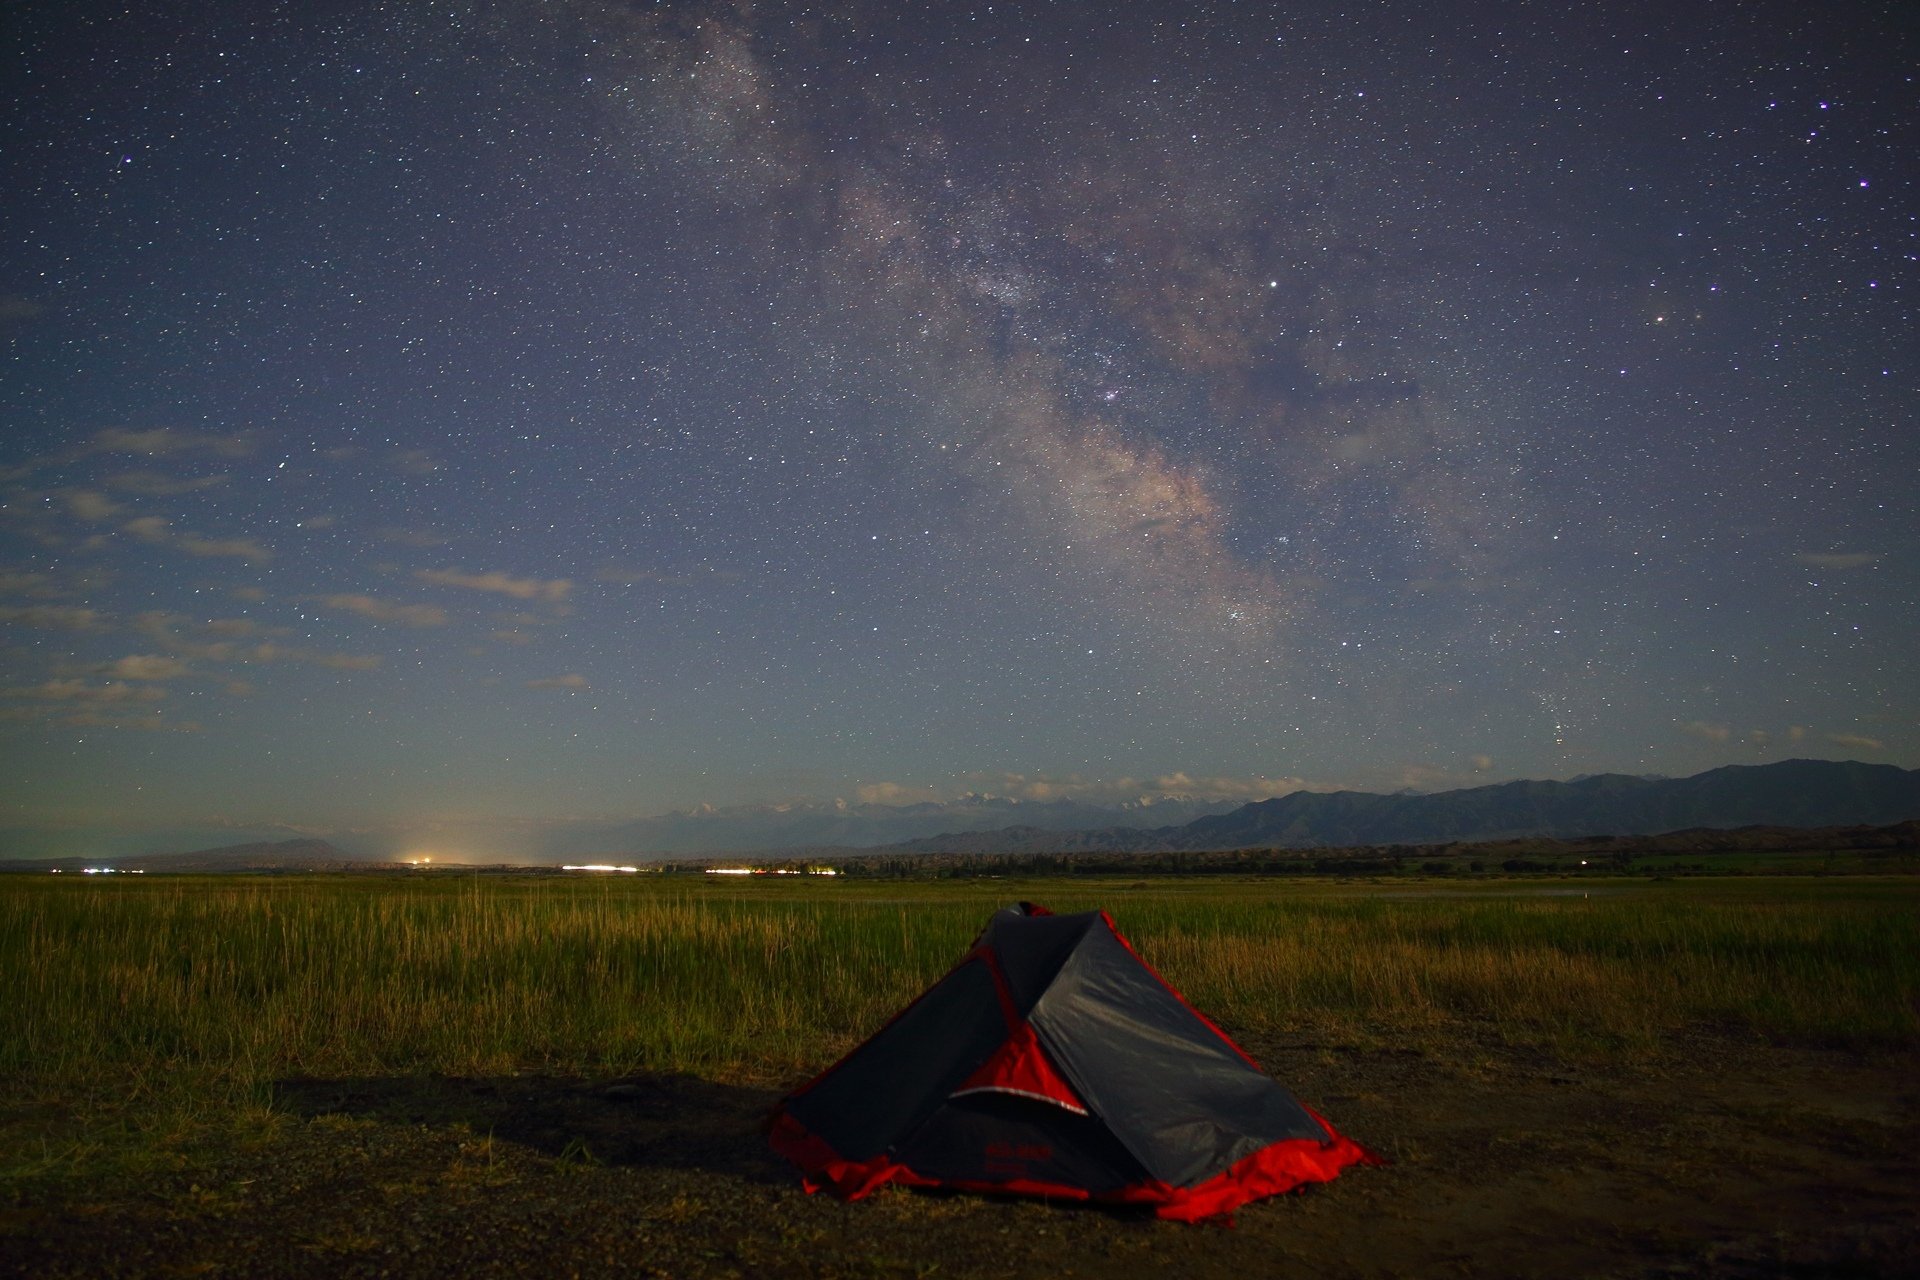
[1271, 1171]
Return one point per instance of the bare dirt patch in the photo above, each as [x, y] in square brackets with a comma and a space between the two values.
[1719, 1158]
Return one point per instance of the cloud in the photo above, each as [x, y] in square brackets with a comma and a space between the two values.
[219, 640]
[893, 793]
[1856, 741]
[1837, 559]
[269, 651]
[153, 484]
[97, 715]
[555, 589]
[1481, 764]
[147, 666]
[247, 593]
[88, 504]
[343, 661]
[1430, 777]
[1705, 731]
[212, 640]
[1121, 790]
[54, 617]
[1258, 787]
[82, 692]
[155, 530]
[244, 548]
[16, 309]
[411, 615]
[148, 529]
[317, 522]
[165, 440]
[154, 722]
[413, 462]
[16, 582]
[572, 680]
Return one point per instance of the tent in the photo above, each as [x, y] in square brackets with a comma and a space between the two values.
[1053, 1061]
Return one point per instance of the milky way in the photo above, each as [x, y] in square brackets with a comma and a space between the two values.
[462, 412]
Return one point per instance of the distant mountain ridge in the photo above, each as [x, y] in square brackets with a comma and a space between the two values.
[1790, 793]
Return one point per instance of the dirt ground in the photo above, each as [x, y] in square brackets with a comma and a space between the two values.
[1721, 1159]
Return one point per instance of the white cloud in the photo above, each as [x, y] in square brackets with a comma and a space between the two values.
[893, 793]
[413, 462]
[1858, 742]
[164, 440]
[153, 484]
[54, 617]
[1121, 790]
[89, 504]
[411, 615]
[1707, 732]
[152, 722]
[555, 589]
[147, 666]
[244, 548]
[272, 652]
[82, 692]
[155, 530]
[147, 529]
[16, 308]
[572, 680]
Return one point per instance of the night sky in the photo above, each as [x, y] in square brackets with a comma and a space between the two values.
[487, 413]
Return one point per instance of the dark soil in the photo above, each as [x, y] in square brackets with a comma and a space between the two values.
[1723, 1159]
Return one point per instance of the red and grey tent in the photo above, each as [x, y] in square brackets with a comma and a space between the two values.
[1053, 1061]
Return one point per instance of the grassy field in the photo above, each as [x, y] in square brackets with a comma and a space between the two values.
[327, 1072]
[155, 982]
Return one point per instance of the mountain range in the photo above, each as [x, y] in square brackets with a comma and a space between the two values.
[1790, 793]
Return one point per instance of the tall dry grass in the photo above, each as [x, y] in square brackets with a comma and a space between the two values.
[247, 980]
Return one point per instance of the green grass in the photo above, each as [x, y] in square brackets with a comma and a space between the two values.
[200, 991]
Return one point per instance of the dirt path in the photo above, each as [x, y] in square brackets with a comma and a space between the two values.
[1727, 1160]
